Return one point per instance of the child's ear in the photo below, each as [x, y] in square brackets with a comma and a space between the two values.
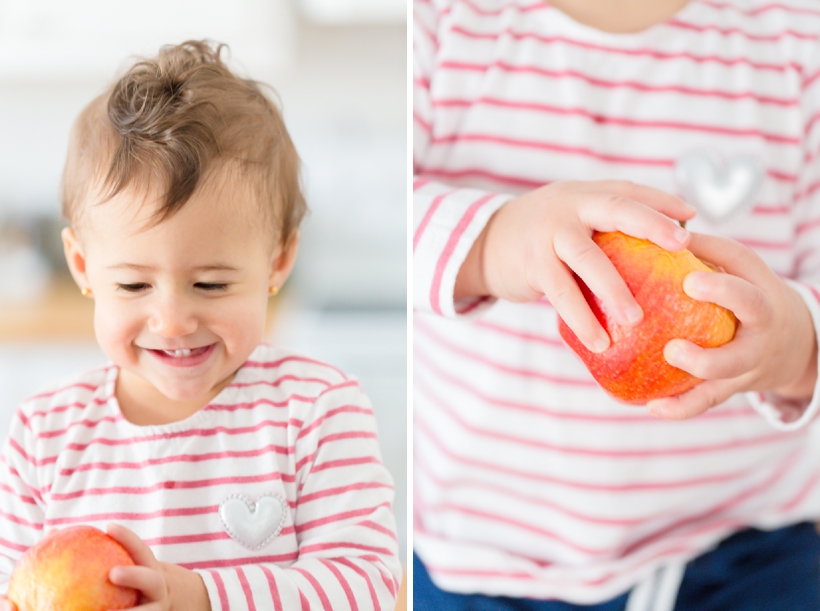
[74, 257]
[283, 259]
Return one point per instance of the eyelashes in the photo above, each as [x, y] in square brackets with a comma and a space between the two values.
[138, 287]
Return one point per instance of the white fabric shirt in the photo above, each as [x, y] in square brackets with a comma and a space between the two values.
[529, 480]
[291, 438]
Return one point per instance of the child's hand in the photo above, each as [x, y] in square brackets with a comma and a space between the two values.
[531, 246]
[163, 586]
[6, 604]
[774, 348]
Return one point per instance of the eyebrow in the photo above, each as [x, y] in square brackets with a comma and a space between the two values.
[201, 268]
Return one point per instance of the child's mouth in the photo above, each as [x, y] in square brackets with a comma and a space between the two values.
[183, 357]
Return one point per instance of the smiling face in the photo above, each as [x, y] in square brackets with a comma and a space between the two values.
[179, 305]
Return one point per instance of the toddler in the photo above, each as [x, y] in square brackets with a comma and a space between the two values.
[237, 474]
[537, 123]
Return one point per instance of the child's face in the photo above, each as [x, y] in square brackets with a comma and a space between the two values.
[181, 304]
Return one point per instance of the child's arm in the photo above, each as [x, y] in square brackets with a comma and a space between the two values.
[348, 550]
[775, 348]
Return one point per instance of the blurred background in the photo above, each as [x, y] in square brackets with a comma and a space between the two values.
[339, 67]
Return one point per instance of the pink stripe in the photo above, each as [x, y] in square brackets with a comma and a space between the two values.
[342, 409]
[569, 483]
[425, 126]
[536, 6]
[760, 9]
[387, 577]
[110, 466]
[428, 214]
[677, 23]
[172, 485]
[126, 515]
[432, 368]
[374, 599]
[51, 393]
[690, 91]
[278, 381]
[506, 180]
[514, 371]
[473, 304]
[10, 517]
[775, 437]
[452, 241]
[220, 588]
[351, 600]
[418, 183]
[599, 119]
[339, 517]
[51, 410]
[13, 546]
[459, 485]
[246, 588]
[524, 335]
[321, 494]
[290, 557]
[304, 602]
[330, 438]
[345, 462]
[653, 53]
[317, 587]
[29, 500]
[291, 359]
[321, 547]
[379, 528]
[274, 590]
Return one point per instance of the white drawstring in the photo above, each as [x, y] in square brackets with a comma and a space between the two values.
[659, 591]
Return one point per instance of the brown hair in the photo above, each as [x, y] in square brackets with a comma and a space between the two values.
[171, 119]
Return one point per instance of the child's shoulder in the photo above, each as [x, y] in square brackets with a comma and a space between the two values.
[276, 365]
[70, 394]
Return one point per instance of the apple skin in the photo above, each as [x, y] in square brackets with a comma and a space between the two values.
[68, 571]
[633, 369]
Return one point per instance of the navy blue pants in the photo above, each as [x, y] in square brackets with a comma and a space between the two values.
[752, 570]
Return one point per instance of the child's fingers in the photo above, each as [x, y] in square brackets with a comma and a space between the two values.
[608, 212]
[692, 403]
[748, 302]
[590, 263]
[728, 361]
[564, 294]
[6, 604]
[661, 201]
[136, 548]
[730, 255]
[147, 580]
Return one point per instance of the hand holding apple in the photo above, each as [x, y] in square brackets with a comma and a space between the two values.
[68, 570]
[532, 245]
[774, 349]
[633, 369]
[163, 586]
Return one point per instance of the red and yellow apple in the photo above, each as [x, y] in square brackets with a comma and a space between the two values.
[633, 368]
[67, 570]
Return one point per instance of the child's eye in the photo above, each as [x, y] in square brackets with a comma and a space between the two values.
[211, 286]
[135, 287]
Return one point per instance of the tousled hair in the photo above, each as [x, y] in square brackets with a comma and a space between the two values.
[169, 122]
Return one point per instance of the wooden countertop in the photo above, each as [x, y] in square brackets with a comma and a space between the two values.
[62, 314]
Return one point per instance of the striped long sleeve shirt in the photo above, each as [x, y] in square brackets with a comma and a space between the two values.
[529, 480]
[274, 492]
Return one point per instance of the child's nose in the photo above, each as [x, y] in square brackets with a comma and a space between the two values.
[173, 317]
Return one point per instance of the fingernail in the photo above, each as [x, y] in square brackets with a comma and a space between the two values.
[600, 344]
[634, 314]
[675, 355]
[681, 235]
[693, 284]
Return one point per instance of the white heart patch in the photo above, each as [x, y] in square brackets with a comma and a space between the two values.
[718, 188]
[252, 524]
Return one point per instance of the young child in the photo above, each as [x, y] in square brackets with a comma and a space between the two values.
[537, 123]
[237, 474]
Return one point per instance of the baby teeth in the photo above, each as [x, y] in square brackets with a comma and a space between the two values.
[180, 352]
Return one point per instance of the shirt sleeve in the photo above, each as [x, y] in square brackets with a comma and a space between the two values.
[447, 220]
[782, 413]
[21, 504]
[348, 549]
